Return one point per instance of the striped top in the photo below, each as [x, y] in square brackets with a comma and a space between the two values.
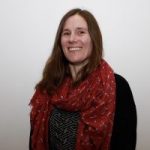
[62, 129]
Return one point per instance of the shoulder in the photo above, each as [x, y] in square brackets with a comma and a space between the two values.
[122, 86]
[120, 80]
[124, 98]
[38, 97]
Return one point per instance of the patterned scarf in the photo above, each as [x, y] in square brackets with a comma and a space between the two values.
[94, 98]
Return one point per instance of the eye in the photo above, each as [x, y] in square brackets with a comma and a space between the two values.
[65, 33]
[81, 32]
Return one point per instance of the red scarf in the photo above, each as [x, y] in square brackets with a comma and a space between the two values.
[94, 98]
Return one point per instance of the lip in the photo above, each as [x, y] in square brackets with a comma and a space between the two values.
[74, 48]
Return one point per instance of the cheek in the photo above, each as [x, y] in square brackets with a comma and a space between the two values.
[64, 46]
[63, 43]
[89, 46]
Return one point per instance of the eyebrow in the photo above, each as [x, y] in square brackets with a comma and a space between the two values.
[78, 28]
[82, 28]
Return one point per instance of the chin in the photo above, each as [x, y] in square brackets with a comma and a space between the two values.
[78, 62]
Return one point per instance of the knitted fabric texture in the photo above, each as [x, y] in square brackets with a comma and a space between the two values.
[94, 98]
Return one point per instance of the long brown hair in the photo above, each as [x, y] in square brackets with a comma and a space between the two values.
[57, 68]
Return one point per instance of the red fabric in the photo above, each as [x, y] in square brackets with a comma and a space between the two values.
[94, 98]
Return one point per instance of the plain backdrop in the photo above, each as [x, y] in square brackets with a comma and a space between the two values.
[27, 32]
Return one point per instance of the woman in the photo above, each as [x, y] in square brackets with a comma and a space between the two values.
[80, 103]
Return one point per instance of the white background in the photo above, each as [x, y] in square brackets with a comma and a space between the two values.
[27, 32]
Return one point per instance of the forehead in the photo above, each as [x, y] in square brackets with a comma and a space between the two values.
[75, 21]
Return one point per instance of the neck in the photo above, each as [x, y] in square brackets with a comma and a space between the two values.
[75, 68]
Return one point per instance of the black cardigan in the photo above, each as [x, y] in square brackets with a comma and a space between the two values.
[125, 121]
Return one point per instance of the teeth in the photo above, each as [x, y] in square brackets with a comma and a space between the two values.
[74, 49]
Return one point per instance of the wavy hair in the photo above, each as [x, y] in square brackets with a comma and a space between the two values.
[57, 68]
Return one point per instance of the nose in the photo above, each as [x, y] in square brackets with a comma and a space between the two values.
[72, 38]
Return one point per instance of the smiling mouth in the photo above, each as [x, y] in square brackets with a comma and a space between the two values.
[74, 48]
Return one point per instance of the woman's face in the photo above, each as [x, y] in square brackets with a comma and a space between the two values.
[76, 41]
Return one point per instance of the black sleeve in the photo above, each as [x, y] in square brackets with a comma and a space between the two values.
[125, 121]
[30, 139]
